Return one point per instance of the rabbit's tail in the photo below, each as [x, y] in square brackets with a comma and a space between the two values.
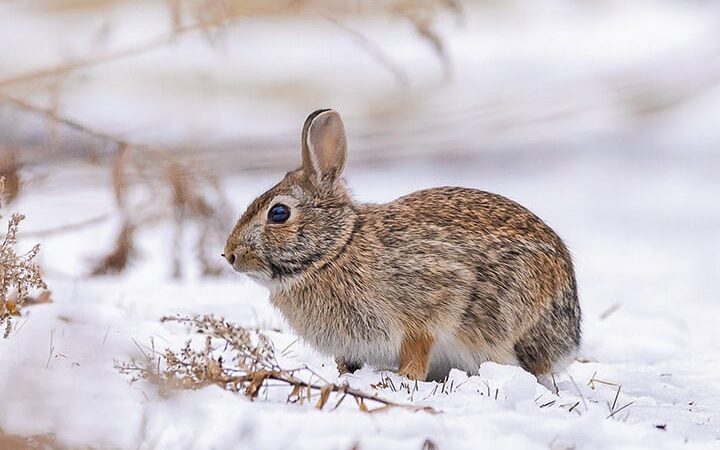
[555, 338]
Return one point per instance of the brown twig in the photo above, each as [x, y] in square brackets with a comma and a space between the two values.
[249, 369]
[342, 389]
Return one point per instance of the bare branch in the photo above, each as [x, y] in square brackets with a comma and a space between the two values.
[252, 365]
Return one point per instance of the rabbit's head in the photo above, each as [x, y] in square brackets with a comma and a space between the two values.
[305, 219]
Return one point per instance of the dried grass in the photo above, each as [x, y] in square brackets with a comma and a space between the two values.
[37, 442]
[10, 172]
[151, 185]
[117, 259]
[19, 274]
[192, 199]
[613, 407]
[248, 369]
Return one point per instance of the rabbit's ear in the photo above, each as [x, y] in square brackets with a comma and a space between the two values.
[324, 149]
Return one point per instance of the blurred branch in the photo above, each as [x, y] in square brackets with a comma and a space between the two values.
[373, 50]
[65, 228]
[195, 196]
[420, 17]
[132, 50]
[53, 116]
[424, 29]
[423, 15]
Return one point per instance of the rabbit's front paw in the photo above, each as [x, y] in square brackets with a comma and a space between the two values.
[415, 355]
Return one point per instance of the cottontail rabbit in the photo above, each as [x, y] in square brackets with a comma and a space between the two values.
[441, 278]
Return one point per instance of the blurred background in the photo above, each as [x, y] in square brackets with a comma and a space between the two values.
[163, 119]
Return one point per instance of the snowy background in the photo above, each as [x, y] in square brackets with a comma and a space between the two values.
[602, 116]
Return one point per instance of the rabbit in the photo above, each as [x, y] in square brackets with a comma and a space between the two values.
[442, 278]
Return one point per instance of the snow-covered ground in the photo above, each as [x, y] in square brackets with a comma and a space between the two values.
[646, 243]
[601, 117]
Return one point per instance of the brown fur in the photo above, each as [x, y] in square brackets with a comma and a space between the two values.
[468, 274]
[415, 354]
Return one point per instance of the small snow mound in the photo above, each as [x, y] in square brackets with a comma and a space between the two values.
[515, 385]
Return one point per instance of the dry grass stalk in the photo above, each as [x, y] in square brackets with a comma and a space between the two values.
[422, 16]
[191, 203]
[613, 407]
[151, 186]
[252, 364]
[19, 274]
[119, 257]
[119, 177]
[171, 188]
[10, 172]
[375, 51]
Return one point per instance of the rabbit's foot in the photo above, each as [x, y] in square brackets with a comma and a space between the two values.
[415, 355]
[345, 366]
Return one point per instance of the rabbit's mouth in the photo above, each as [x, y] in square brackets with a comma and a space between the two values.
[243, 259]
[256, 274]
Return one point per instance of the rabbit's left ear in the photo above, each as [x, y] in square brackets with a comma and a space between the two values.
[324, 148]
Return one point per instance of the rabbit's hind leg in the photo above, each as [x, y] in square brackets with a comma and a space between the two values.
[553, 340]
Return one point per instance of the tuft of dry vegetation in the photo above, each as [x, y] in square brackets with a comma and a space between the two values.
[243, 361]
[152, 185]
[19, 274]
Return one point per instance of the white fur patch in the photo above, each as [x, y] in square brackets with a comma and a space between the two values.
[451, 353]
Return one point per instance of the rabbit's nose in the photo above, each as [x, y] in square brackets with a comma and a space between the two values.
[230, 257]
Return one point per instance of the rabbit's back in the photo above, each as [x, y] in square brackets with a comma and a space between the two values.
[461, 213]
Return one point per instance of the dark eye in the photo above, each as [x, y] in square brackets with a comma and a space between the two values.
[279, 214]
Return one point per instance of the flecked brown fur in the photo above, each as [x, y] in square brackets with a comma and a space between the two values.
[440, 278]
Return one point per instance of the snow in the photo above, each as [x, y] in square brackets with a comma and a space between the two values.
[659, 343]
[545, 100]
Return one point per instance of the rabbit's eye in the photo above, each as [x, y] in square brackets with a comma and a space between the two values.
[279, 214]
